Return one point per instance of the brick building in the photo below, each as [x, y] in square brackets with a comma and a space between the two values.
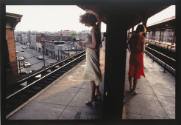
[11, 67]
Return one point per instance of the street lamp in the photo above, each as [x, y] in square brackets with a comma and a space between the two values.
[43, 40]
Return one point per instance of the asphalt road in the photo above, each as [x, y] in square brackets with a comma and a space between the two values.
[30, 56]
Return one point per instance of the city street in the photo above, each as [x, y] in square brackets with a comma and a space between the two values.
[30, 56]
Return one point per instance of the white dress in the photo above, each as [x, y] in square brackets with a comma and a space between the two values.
[92, 70]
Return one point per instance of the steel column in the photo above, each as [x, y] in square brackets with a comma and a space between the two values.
[115, 60]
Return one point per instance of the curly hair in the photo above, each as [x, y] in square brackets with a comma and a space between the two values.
[88, 18]
[140, 28]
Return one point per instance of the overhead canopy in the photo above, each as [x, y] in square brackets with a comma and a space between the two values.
[168, 24]
[127, 13]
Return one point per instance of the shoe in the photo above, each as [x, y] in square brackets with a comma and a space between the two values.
[134, 93]
[89, 103]
[97, 98]
[128, 91]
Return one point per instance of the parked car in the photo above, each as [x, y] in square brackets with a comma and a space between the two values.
[27, 64]
[23, 47]
[40, 57]
[21, 58]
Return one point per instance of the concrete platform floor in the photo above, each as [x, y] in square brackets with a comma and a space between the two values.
[156, 94]
[65, 98]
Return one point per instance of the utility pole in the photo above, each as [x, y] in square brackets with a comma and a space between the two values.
[19, 65]
[58, 55]
[44, 54]
[61, 54]
[68, 51]
[43, 46]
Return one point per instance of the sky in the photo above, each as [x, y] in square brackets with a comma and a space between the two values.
[48, 18]
[54, 18]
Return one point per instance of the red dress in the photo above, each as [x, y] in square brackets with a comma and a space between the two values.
[136, 66]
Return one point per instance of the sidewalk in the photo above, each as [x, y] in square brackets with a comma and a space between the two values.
[156, 94]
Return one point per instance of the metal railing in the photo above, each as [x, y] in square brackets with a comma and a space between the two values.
[20, 96]
[161, 54]
[162, 63]
[43, 71]
[26, 79]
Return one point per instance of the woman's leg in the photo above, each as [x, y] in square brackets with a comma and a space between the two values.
[98, 93]
[93, 88]
[134, 85]
[130, 83]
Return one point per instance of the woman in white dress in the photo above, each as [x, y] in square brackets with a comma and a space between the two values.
[92, 70]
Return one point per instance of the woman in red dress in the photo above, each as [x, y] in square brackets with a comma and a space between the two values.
[136, 47]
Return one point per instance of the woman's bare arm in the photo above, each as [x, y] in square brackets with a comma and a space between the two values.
[92, 41]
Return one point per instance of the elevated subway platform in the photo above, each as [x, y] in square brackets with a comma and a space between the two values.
[156, 93]
[66, 97]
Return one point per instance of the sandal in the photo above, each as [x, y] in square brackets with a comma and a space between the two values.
[89, 103]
